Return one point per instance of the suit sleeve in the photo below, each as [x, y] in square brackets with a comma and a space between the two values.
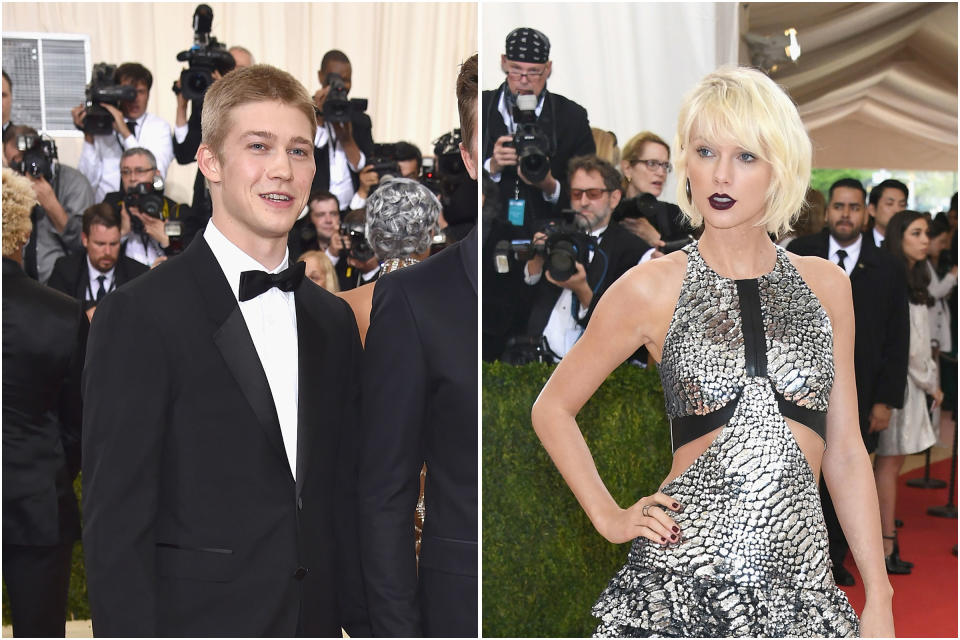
[891, 378]
[364, 136]
[394, 392]
[125, 412]
[581, 143]
[70, 409]
[58, 278]
[186, 152]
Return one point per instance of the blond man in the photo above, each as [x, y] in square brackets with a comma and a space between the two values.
[220, 391]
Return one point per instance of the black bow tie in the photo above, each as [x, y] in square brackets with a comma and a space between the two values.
[253, 283]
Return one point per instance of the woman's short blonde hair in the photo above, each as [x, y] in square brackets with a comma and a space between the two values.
[634, 147]
[256, 83]
[18, 201]
[744, 106]
[606, 143]
[329, 272]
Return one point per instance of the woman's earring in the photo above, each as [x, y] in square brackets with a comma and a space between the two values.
[689, 195]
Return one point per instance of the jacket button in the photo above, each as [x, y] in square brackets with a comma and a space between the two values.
[300, 573]
[299, 503]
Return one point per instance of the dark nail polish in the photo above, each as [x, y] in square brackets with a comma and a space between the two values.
[673, 537]
[675, 505]
[663, 539]
[676, 529]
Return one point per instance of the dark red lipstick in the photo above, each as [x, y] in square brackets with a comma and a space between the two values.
[721, 201]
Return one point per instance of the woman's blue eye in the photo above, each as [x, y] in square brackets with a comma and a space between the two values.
[747, 157]
[703, 152]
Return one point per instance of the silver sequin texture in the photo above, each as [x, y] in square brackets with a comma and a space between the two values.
[753, 560]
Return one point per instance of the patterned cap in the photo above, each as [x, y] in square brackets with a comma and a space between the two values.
[528, 45]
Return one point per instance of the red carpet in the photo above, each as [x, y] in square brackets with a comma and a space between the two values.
[924, 602]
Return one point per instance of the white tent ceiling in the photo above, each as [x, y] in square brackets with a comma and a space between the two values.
[876, 84]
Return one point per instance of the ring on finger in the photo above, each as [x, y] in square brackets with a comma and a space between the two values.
[643, 511]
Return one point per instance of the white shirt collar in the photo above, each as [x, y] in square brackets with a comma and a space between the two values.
[596, 232]
[853, 252]
[233, 260]
[508, 117]
[95, 273]
[877, 237]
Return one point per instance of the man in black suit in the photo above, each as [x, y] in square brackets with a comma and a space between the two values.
[341, 148]
[90, 275]
[886, 199]
[561, 308]
[882, 324]
[525, 203]
[43, 339]
[220, 392]
[420, 405]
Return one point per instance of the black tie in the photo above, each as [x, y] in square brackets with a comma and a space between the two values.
[253, 283]
[132, 125]
[841, 254]
[103, 291]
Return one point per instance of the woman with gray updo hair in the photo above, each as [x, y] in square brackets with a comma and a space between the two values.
[401, 216]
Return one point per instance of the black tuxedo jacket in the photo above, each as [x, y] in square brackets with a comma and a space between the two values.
[44, 334]
[72, 277]
[362, 134]
[882, 324]
[563, 120]
[623, 250]
[194, 524]
[420, 405]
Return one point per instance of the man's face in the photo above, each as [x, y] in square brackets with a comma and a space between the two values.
[891, 201]
[409, 168]
[261, 179]
[845, 214]
[242, 58]
[138, 106]
[519, 82]
[469, 154]
[7, 101]
[325, 216]
[342, 69]
[596, 210]
[103, 246]
[136, 169]
[10, 152]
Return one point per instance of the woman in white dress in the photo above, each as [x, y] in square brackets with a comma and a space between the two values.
[910, 429]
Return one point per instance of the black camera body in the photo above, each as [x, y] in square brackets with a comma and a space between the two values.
[384, 159]
[532, 144]
[147, 198]
[39, 157]
[104, 90]
[337, 106]
[203, 58]
[568, 242]
[360, 249]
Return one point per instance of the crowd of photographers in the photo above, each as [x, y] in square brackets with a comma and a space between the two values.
[127, 151]
[565, 212]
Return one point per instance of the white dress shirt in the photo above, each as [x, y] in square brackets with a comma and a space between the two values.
[341, 182]
[853, 253]
[93, 285]
[142, 248]
[271, 319]
[100, 161]
[877, 237]
[511, 128]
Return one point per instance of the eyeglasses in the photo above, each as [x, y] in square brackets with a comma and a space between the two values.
[653, 165]
[592, 194]
[531, 75]
[126, 173]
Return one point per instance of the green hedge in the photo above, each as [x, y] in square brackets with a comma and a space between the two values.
[78, 606]
[543, 562]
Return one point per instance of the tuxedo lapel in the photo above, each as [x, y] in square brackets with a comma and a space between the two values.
[311, 344]
[233, 340]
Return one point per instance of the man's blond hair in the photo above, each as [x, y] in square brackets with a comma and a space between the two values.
[256, 83]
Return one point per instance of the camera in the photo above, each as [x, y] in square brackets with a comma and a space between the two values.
[104, 90]
[384, 159]
[39, 157]
[568, 242]
[360, 249]
[532, 145]
[147, 197]
[203, 58]
[337, 107]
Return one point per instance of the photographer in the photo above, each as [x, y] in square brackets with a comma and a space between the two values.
[133, 127]
[550, 132]
[561, 307]
[401, 160]
[319, 230]
[151, 223]
[62, 195]
[344, 139]
[357, 264]
[645, 165]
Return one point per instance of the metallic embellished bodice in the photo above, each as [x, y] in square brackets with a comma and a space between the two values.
[725, 331]
[753, 556]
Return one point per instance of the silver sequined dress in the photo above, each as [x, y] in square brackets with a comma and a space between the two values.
[753, 560]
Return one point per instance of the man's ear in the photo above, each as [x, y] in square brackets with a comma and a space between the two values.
[615, 196]
[468, 162]
[871, 211]
[83, 239]
[549, 68]
[209, 164]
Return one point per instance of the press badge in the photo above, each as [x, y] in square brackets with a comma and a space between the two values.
[515, 212]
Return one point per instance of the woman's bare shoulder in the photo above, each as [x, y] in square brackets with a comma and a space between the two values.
[654, 279]
[827, 281]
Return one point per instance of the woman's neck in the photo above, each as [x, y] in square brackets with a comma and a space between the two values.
[740, 253]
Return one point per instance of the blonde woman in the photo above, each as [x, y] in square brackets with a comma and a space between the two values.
[320, 269]
[755, 347]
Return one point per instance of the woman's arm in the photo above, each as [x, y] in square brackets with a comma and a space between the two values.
[846, 466]
[624, 319]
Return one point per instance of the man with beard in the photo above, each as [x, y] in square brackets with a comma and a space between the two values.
[99, 269]
[882, 326]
